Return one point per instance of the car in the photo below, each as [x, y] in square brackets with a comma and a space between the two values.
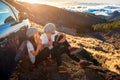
[8, 12]
[13, 27]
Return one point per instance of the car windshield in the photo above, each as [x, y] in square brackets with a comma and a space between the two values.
[5, 13]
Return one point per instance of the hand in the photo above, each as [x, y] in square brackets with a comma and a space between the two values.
[39, 46]
[35, 52]
[50, 43]
[36, 38]
[63, 38]
[85, 63]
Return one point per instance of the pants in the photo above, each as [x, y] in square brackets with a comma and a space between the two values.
[56, 53]
[42, 55]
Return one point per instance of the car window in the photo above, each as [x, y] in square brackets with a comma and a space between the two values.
[5, 13]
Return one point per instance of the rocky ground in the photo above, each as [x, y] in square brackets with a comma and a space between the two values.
[106, 51]
[103, 51]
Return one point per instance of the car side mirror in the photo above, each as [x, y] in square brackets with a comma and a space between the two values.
[22, 16]
[9, 19]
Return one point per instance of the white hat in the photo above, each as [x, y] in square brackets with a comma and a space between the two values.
[49, 28]
[31, 31]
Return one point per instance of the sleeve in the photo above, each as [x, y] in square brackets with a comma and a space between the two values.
[42, 39]
[30, 46]
[56, 32]
[53, 36]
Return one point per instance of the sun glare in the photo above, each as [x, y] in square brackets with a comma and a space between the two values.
[29, 1]
[40, 2]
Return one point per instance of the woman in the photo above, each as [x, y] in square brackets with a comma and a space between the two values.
[36, 51]
[48, 39]
[33, 43]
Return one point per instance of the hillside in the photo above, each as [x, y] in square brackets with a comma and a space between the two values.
[64, 19]
[107, 26]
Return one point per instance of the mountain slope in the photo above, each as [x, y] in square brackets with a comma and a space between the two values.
[114, 16]
[107, 26]
[43, 14]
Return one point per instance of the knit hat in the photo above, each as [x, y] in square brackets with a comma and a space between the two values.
[31, 31]
[49, 28]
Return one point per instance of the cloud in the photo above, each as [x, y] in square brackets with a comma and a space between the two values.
[96, 1]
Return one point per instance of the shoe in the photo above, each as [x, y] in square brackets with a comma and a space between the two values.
[62, 69]
[85, 63]
[75, 50]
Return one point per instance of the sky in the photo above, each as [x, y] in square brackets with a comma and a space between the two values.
[81, 1]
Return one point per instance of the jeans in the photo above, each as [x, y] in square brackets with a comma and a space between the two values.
[56, 53]
[42, 55]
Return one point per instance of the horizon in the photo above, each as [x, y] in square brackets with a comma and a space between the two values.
[57, 2]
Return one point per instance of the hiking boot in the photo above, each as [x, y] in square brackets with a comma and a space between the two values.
[62, 69]
[85, 63]
[75, 50]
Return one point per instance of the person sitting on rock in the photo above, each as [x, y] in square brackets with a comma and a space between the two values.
[33, 43]
[35, 49]
[48, 39]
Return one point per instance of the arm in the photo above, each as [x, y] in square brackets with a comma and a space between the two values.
[47, 45]
[35, 52]
[63, 39]
[31, 49]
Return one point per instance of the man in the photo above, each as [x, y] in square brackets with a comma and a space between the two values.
[57, 44]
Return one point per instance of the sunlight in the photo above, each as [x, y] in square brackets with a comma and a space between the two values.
[42, 2]
[29, 1]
